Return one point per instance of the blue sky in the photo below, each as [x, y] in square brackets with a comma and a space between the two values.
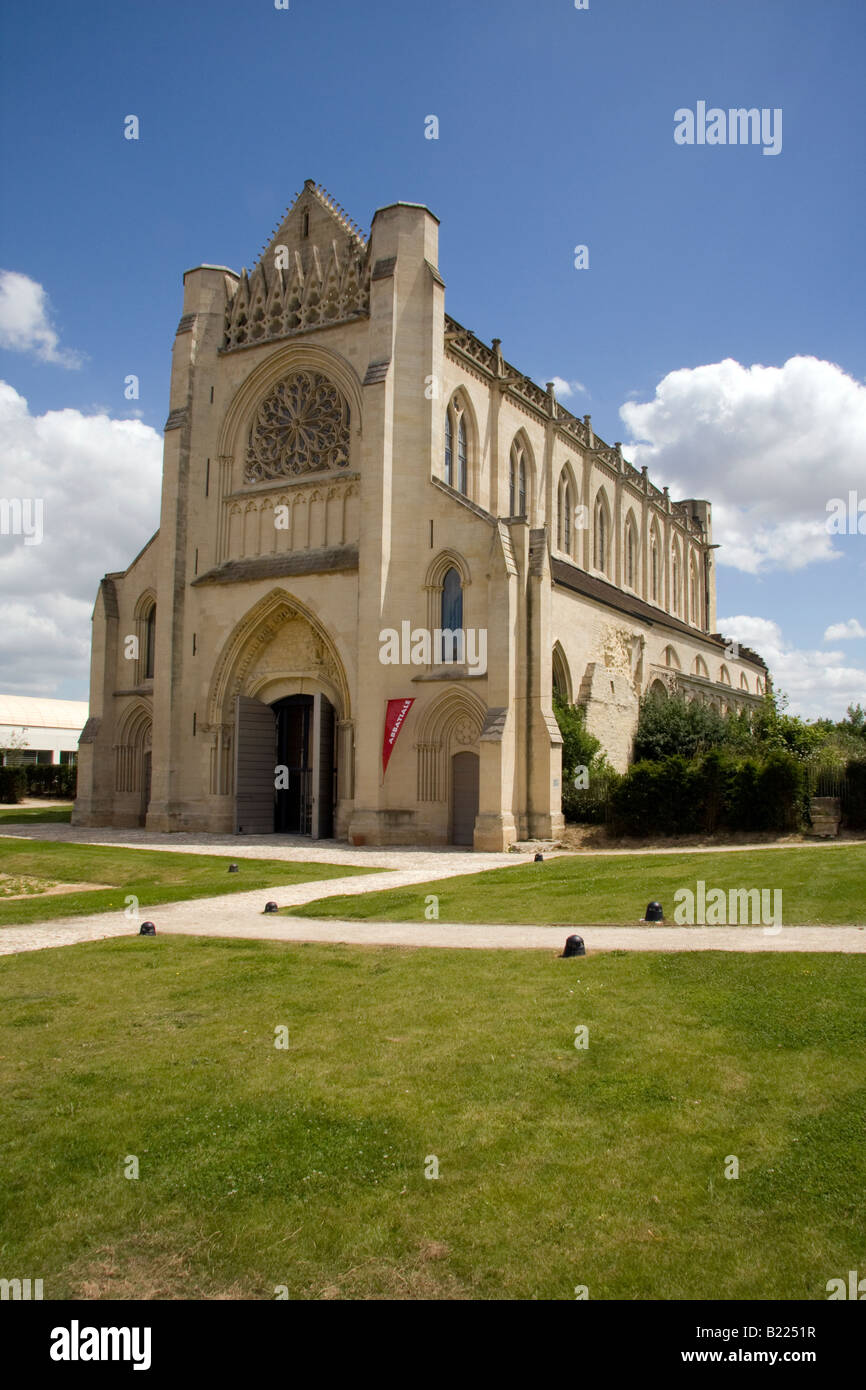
[555, 129]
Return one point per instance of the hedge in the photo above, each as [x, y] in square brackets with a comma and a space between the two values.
[57, 780]
[677, 796]
[13, 784]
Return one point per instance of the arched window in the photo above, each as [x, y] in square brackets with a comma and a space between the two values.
[630, 552]
[456, 442]
[744, 684]
[451, 615]
[700, 668]
[655, 567]
[517, 480]
[566, 507]
[561, 677]
[601, 534]
[149, 642]
[676, 578]
[694, 592]
[671, 659]
[724, 675]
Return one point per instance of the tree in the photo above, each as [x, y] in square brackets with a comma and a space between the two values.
[579, 746]
[673, 725]
[13, 745]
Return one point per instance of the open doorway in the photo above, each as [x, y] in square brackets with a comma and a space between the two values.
[285, 766]
[293, 804]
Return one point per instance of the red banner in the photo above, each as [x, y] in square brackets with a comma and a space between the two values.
[394, 717]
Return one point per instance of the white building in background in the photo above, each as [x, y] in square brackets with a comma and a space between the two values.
[50, 729]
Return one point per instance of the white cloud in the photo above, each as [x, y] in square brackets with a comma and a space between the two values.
[25, 324]
[842, 632]
[564, 388]
[819, 684]
[98, 480]
[769, 447]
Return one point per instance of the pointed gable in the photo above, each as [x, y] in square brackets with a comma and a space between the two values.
[313, 271]
[314, 219]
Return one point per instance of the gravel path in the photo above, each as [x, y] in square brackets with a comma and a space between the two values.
[339, 852]
[241, 914]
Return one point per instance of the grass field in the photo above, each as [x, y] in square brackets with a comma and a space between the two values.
[153, 876]
[305, 1167]
[818, 885]
[35, 815]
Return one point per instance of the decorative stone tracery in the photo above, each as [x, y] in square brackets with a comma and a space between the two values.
[297, 298]
[302, 426]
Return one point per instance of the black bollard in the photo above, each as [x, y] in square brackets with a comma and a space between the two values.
[654, 912]
[271, 907]
[147, 929]
[573, 947]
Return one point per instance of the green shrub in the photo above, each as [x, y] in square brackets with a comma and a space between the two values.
[669, 726]
[662, 798]
[677, 796]
[590, 804]
[717, 778]
[12, 785]
[56, 780]
[781, 792]
[581, 749]
[743, 811]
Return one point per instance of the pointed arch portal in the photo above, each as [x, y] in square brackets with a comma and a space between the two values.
[279, 705]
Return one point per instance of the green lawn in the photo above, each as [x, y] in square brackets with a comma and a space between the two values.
[35, 815]
[305, 1167]
[821, 885]
[153, 876]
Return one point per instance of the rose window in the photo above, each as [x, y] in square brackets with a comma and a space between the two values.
[301, 427]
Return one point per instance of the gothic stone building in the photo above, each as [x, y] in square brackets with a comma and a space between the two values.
[343, 459]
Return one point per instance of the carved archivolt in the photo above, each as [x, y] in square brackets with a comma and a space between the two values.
[134, 741]
[453, 721]
[279, 636]
[302, 426]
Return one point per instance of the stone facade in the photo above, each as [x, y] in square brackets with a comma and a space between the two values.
[342, 460]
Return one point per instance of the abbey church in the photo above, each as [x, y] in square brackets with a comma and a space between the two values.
[344, 461]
